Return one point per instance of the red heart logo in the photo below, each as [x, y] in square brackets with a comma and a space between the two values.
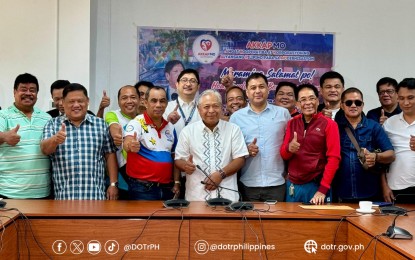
[205, 44]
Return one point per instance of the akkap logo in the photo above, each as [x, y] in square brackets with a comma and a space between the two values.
[206, 48]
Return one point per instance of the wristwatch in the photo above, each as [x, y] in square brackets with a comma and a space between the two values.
[222, 173]
[114, 184]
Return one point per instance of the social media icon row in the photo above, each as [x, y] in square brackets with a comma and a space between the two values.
[93, 247]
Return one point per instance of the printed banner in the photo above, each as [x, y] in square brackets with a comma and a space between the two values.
[295, 57]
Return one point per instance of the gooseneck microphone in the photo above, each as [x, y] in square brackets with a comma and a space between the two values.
[397, 232]
[236, 206]
[219, 201]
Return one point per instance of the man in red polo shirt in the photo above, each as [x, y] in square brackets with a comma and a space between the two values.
[150, 141]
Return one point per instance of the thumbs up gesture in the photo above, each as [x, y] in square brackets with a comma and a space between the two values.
[116, 133]
[370, 158]
[382, 117]
[174, 116]
[253, 148]
[326, 110]
[189, 167]
[60, 136]
[294, 145]
[11, 137]
[134, 144]
[105, 101]
[227, 80]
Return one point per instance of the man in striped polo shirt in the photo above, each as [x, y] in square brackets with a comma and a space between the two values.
[24, 170]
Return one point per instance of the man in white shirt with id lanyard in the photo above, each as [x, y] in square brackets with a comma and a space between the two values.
[183, 110]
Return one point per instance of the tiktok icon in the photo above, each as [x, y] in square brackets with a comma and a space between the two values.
[112, 247]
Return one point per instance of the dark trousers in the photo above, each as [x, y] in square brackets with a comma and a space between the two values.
[263, 193]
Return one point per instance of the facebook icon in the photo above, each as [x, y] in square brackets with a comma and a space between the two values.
[59, 247]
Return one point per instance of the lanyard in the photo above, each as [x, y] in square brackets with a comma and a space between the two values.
[186, 121]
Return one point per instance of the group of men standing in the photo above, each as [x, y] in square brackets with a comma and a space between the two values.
[295, 150]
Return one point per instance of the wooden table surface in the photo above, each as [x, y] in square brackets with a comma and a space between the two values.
[91, 208]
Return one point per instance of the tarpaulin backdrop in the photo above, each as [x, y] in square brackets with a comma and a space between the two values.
[294, 57]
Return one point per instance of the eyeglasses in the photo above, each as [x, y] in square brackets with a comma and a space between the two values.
[304, 100]
[191, 81]
[349, 103]
[389, 92]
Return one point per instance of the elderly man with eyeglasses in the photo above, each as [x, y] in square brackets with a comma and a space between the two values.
[388, 98]
[312, 148]
[360, 178]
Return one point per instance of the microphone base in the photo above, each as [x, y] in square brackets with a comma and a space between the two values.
[218, 202]
[395, 232]
[176, 203]
[240, 206]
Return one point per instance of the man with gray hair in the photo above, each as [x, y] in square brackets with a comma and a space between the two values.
[216, 146]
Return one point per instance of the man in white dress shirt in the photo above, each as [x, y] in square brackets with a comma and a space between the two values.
[215, 145]
[183, 110]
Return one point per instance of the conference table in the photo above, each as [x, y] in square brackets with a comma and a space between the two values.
[52, 229]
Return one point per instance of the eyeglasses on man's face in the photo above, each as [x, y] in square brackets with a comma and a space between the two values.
[388, 92]
[309, 99]
[349, 103]
[186, 80]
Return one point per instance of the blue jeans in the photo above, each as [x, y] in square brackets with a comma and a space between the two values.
[303, 192]
[138, 190]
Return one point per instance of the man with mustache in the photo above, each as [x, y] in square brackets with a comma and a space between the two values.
[24, 170]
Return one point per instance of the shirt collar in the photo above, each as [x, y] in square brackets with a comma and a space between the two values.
[250, 108]
[150, 122]
[182, 103]
[87, 118]
[35, 110]
[217, 127]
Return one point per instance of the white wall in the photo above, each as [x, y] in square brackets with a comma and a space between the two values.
[93, 42]
[27, 44]
[373, 38]
[47, 38]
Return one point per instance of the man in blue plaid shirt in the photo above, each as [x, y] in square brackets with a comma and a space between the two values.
[80, 146]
